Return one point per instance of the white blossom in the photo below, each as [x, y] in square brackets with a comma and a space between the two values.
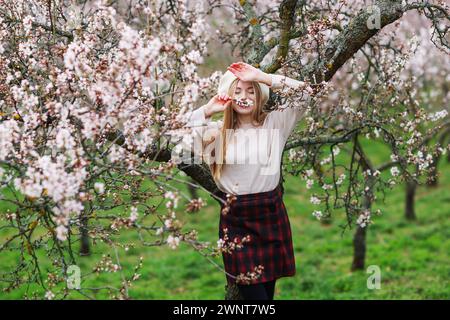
[49, 295]
[314, 200]
[318, 214]
[61, 233]
[438, 115]
[394, 171]
[173, 242]
[364, 219]
[340, 179]
[99, 187]
[220, 243]
[134, 214]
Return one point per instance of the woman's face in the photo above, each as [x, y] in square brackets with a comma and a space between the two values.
[245, 92]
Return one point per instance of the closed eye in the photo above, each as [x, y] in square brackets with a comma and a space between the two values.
[251, 91]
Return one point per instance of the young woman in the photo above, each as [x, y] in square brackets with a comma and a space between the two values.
[255, 227]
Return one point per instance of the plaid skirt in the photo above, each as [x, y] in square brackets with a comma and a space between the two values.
[256, 237]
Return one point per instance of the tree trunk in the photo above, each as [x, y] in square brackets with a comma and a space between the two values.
[359, 239]
[411, 187]
[232, 293]
[193, 190]
[326, 221]
[359, 247]
[84, 239]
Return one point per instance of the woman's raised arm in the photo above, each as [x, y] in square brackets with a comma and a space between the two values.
[285, 118]
[201, 126]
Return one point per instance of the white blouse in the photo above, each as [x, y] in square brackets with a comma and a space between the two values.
[253, 155]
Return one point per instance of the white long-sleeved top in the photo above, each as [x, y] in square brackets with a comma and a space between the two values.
[253, 156]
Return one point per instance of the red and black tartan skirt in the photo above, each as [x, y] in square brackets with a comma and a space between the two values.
[257, 233]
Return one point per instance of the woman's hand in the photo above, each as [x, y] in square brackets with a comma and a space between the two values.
[246, 72]
[218, 103]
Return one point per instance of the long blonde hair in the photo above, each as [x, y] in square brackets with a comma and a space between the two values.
[230, 122]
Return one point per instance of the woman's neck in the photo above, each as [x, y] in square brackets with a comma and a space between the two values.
[245, 121]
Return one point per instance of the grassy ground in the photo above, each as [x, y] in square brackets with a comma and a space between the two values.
[413, 256]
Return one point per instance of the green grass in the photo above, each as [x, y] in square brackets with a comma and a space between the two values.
[413, 256]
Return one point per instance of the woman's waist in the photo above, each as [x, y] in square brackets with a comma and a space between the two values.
[271, 195]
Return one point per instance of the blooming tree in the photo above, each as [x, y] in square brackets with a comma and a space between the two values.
[90, 90]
